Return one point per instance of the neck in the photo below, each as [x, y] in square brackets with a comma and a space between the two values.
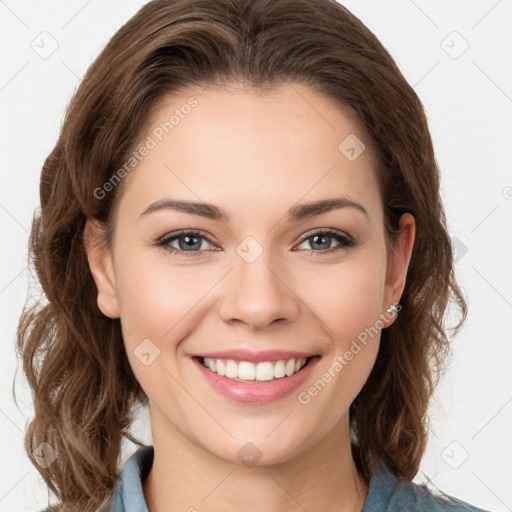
[186, 477]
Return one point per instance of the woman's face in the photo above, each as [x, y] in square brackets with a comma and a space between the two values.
[270, 276]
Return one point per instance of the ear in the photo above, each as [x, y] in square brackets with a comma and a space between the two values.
[102, 268]
[399, 262]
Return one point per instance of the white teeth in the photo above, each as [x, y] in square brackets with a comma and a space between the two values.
[231, 369]
[279, 370]
[246, 371]
[221, 367]
[262, 372]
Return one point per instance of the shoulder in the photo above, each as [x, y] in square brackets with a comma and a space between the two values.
[388, 493]
[425, 499]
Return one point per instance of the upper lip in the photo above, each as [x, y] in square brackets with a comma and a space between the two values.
[256, 356]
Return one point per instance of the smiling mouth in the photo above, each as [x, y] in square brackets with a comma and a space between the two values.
[246, 371]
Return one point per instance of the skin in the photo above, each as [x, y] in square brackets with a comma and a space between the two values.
[255, 156]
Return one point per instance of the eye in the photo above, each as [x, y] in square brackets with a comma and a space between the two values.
[188, 243]
[323, 240]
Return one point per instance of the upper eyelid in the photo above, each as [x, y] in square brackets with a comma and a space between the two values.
[332, 231]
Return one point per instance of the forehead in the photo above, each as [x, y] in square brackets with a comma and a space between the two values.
[242, 148]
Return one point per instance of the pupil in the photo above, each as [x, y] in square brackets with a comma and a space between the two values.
[188, 246]
[325, 244]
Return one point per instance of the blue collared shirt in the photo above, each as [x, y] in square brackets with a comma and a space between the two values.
[386, 493]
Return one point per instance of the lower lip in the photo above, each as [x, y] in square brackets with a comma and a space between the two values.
[257, 392]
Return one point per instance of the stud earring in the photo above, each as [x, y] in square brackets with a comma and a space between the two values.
[392, 308]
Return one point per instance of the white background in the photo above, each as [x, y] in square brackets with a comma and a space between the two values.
[468, 100]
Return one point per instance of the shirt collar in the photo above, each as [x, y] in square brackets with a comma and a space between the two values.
[128, 493]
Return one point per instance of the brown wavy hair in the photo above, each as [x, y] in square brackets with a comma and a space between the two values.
[73, 356]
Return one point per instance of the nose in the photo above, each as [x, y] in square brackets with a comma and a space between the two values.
[258, 294]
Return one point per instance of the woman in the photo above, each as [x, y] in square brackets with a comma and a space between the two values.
[240, 228]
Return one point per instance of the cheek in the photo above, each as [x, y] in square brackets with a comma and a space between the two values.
[347, 297]
[350, 309]
[159, 304]
[156, 298]
[351, 317]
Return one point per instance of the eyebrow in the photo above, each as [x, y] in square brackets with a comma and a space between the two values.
[210, 211]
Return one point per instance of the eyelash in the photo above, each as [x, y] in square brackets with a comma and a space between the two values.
[345, 242]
